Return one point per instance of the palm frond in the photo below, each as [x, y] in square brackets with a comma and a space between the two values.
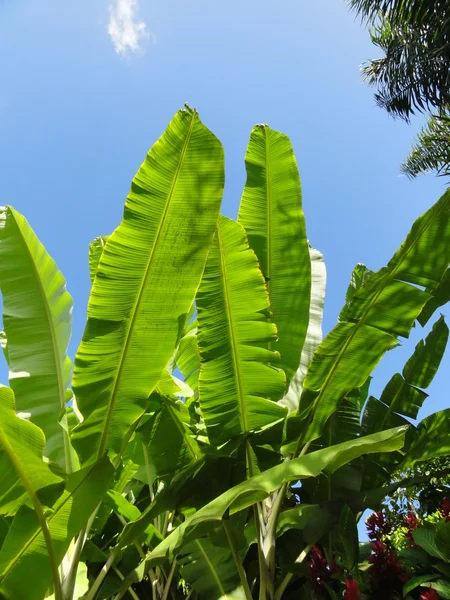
[431, 151]
[414, 74]
[400, 10]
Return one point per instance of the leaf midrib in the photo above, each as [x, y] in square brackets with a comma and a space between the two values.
[232, 337]
[133, 319]
[212, 569]
[269, 214]
[54, 344]
[61, 391]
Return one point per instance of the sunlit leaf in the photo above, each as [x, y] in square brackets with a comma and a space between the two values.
[145, 282]
[271, 214]
[237, 382]
[37, 317]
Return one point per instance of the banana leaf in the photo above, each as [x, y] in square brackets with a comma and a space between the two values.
[272, 215]
[145, 283]
[238, 385]
[37, 318]
[385, 307]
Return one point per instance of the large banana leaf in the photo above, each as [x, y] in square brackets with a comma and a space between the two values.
[271, 213]
[24, 563]
[430, 440]
[346, 538]
[145, 282]
[384, 307]
[165, 500]
[259, 487]
[37, 317]
[24, 477]
[314, 333]
[343, 425]
[402, 395]
[237, 385]
[208, 566]
[402, 399]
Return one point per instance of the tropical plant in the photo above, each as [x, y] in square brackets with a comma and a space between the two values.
[431, 152]
[414, 73]
[144, 483]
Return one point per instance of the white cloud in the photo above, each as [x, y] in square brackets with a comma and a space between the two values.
[124, 28]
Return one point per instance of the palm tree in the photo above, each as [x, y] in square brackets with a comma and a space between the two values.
[414, 73]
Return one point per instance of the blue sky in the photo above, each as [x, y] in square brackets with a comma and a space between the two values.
[81, 103]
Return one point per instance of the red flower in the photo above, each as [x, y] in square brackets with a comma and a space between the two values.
[429, 594]
[386, 574]
[411, 522]
[445, 509]
[377, 526]
[351, 590]
[320, 571]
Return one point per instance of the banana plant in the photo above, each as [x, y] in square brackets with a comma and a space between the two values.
[167, 465]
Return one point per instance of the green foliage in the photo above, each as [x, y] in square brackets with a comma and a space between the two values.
[39, 377]
[431, 151]
[237, 381]
[413, 74]
[190, 488]
[271, 214]
[151, 265]
[421, 488]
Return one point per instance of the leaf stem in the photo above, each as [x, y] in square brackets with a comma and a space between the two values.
[237, 560]
[169, 581]
[259, 522]
[101, 576]
[68, 585]
[137, 545]
[69, 582]
[283, 585]
[275, 513]
[129, 589]
[51, 553]
[68, 451]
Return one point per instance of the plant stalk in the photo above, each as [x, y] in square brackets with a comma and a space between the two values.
[51, 553]
[283, 585]
[237, 560]
[129, 589]
[169, 581]
[70, 580]
[101, 576]
[264, 583]
[68, 585]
